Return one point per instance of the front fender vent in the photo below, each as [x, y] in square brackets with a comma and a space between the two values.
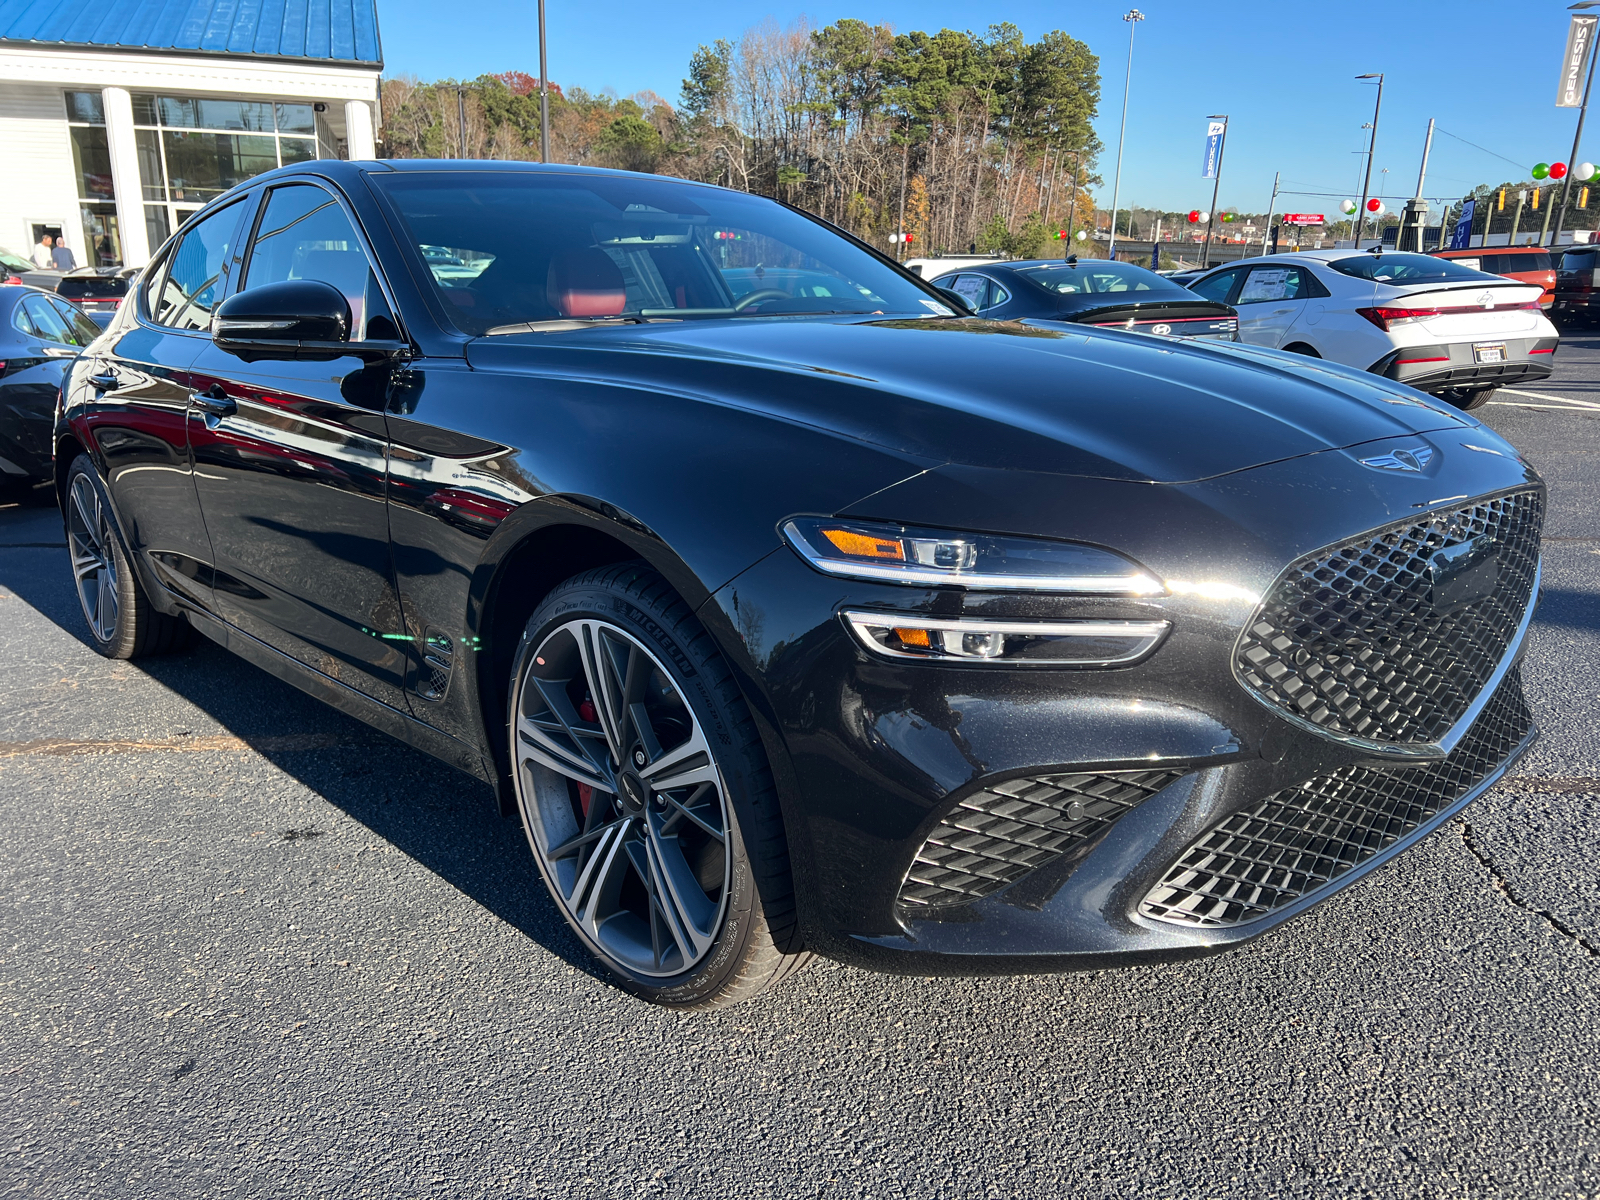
[999, 834]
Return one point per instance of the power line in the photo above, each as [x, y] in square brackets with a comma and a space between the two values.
[1490, 153]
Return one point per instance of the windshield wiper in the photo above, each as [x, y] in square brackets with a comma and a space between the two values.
[560, 324]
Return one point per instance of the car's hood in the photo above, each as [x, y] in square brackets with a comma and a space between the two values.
[985, 393]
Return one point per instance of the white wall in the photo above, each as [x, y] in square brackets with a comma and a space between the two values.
[38, 183]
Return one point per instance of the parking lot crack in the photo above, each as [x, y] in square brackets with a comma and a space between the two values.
[1501, 884]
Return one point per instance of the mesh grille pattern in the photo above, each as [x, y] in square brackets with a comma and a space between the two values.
[1305, 837]
[996, 836]
[1348, 638]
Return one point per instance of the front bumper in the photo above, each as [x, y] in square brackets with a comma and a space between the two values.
[894, 774]
[1454, 365]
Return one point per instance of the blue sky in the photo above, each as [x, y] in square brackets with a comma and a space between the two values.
[1284, 73]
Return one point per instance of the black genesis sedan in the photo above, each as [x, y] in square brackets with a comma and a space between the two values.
[821, 620]
[40, 335]
[1090, 291]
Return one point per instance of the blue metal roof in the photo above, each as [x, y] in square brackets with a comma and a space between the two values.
[319, 30]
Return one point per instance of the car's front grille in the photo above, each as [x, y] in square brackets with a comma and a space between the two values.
[1304, 838]
[1349, 640]
[996, 836]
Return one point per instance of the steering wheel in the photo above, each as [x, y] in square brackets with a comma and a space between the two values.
[745, 302]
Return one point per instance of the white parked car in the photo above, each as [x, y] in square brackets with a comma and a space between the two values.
[1425, 321]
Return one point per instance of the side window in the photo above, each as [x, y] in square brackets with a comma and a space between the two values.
[997, 295]
[84, 330]
[20, 322]
[970, 287]
[1271, 283]
[304, 234]
[1215, 287]
[48, 321]
[194, 282]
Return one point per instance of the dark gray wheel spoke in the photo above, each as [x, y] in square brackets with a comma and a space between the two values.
[642, 871]
[93, 567]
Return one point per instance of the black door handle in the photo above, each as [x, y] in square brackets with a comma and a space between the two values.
[214, 401]
[104, 382]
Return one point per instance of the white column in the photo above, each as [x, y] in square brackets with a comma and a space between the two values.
[358, 138]
[125, 176]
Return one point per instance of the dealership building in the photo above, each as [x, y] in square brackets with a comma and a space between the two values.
[119, 118]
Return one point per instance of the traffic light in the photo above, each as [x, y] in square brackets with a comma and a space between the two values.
[1502, 199]
[1536, 192]
[1583, 197]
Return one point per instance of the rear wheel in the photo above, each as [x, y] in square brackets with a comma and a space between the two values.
[1468, 398]
[122, 621]
[646, 795]
[1303, 348]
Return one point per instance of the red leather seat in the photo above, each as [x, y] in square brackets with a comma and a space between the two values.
[586, 283]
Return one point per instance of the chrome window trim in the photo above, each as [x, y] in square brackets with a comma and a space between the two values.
[1149, 634]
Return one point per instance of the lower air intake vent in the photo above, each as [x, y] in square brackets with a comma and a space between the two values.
[1303, 838]
[996, 836]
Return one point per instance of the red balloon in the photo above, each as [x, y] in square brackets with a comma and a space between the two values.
[1558, 170]
[1374, 204]
[1194, 216]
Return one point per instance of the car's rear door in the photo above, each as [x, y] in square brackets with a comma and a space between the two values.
[292, 464]
[1271, 300]
[134, 392]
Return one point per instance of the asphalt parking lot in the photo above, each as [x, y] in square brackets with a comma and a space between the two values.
[252, 948]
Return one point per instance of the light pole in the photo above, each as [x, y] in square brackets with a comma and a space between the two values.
[1577, 134]
[1072, 207]
[1366, 186]
[1222, 145]
[544, 94]
[1133, 16]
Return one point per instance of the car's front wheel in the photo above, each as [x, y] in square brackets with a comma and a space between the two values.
[123, 623]
[1467, 399]
[646, 794]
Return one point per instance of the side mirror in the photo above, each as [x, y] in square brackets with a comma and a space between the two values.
[298, 319]
[962, 304]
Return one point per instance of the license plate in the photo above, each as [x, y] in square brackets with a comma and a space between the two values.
[1489, 352]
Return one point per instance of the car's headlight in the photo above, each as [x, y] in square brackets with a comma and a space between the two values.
[1007, 643]
[899, 554]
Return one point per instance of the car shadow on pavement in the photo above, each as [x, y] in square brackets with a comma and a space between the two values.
[445, 820]
[1568, 609]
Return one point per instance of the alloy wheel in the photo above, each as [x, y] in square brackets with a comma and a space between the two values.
[624, 805]
[94, 563]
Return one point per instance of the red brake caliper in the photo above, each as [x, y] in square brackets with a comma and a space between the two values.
[586, 712]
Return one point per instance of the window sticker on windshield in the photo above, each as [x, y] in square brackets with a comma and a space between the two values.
[1265, 285]
[938, 309]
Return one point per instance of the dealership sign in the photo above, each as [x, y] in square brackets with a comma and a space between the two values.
[1303, 219]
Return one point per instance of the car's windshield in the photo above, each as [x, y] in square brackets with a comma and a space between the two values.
[510, 250]
[13, 262]
[1406, 268]
[1087, 278]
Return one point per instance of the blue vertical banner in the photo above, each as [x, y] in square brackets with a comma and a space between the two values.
[1461, 235]
[1208, 169]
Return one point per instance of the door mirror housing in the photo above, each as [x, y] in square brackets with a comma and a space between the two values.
[962, 304]
[296, 320]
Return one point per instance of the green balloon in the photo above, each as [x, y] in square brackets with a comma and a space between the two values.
[1541, 170]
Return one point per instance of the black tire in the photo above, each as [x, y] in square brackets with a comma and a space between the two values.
[1467, 399]
[733, 933]
[121, 620]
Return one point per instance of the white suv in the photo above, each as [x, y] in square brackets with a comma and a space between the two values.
[1424, 321]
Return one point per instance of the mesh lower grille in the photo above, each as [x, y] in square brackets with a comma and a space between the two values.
[1305, 837]
[1350, 641]
[996, 836]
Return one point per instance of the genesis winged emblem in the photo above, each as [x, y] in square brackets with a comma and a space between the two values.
[1414, 459]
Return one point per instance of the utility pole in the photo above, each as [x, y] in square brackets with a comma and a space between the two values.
[1272, 206]
[1516, 219]
[1072, 205]
[544, 94]
[1416, 211]
[1577, 135]
[905, 155]
[1133, 16]
[1222, 145]
[461, 110]
[1372, 145]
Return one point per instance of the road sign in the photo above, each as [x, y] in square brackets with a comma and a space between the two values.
[1580, 40]
[1304, 219]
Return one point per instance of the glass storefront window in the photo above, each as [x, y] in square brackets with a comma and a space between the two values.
[102, 239]
[151, 174]
[201, 166]
[297, 149]
[157, 226]
[296, 118]
[85, 108]
[91, 161]
[144, 109]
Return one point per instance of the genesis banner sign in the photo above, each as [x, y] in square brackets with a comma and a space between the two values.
[1580, 39]
[1214, 132]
